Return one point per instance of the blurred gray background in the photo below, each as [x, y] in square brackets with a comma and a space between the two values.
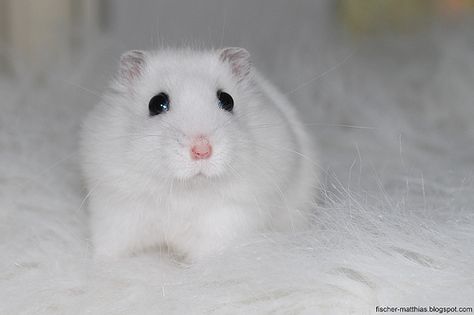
[39, 33]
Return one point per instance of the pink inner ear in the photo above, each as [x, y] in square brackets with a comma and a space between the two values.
[132, 64]
[239, 60]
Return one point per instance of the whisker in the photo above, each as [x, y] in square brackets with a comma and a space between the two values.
[340, 125]
[257, 203]
[281, 194]
[89, 193]
[232, 119]
[269, 125]
[341, 190]
[323, 74]
[83, 88]
[224, 20]
[36, 177]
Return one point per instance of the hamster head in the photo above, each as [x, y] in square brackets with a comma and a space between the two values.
[184, 111]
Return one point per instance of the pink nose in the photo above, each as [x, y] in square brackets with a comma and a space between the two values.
[201, 149]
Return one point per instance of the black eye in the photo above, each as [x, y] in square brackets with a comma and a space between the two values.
[158, 104]
[225, 100]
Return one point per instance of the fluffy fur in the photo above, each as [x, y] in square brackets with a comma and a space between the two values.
[145, 188]
[395, 222]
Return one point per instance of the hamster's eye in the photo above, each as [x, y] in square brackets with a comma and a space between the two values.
[158, 104]
[225, 100]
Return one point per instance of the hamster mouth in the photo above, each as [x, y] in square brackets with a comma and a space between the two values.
[198, 177]
[203, 169]
[203, 172]
[201, 175]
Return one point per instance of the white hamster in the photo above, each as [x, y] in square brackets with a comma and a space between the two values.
[193, 150]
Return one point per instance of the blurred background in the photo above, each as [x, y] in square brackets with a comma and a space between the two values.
[37, 34]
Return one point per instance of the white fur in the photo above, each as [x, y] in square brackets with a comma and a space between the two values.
[146, 190]
[395, 225]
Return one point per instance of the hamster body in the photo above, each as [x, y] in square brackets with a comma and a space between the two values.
[193, 150]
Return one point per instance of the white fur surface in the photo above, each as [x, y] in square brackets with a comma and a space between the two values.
[395, 225]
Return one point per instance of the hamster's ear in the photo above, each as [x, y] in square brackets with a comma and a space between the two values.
[239, 60]
[132, 64]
